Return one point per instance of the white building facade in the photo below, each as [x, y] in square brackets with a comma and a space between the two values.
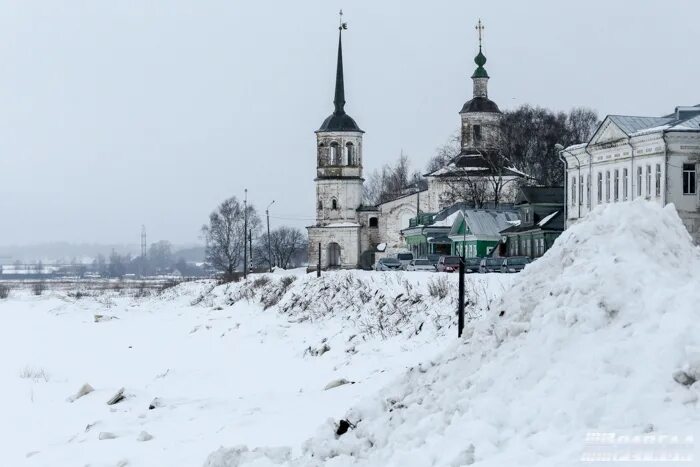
[629, 157]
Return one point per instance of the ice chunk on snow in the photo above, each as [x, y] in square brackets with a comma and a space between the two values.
[84, 390]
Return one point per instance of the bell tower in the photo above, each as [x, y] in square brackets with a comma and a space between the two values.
[339, 157]
[481, 117]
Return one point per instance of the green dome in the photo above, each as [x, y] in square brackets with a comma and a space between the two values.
[480, 59]
[480, 71]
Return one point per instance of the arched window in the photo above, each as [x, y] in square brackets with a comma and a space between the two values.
[477, 134]
[322, 154]
[334, 204]
[320, 205]
[373, 222]
[335, 154]
[351, 153]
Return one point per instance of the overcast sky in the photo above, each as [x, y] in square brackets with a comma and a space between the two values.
[115, 114]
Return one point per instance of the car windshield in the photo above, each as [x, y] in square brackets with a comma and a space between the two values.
[472, 261]
[451, 260]
[518, 261]
[390, 261]
[494, 261]
[405, 256]
[421, 262]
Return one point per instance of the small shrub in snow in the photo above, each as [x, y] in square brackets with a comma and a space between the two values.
[286, 281]
[38, 288]
[259, 282]
[4, 291]
[439, 288]
[35, 374]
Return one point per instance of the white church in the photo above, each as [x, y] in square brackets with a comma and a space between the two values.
[348, 233]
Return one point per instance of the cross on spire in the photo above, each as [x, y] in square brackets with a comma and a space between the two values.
[479, 28]
[341, 25]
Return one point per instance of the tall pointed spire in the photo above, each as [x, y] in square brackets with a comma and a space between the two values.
[339, 100]
[339, 120]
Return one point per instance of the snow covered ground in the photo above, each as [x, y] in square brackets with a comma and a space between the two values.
[601, 335]
[225, 369]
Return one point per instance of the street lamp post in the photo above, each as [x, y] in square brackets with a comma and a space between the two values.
[269, 244]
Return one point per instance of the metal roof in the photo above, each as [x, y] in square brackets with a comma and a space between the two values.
[486, 223]
[541, 195]
[631, 124]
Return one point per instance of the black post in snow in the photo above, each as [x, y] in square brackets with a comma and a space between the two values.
[460, 308]
[318, 267]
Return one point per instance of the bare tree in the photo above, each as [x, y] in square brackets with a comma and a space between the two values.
[392, 181]
[160, 255]
[285, 242]
[445, 153]
[225, 236]
[530, 133]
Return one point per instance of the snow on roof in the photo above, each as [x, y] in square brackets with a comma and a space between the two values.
[448, 221]
[547, 219]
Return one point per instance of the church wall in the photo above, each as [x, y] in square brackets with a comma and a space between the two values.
[342, 161]
[348, 238]
[348, 196]
[490, 123]
[394, 217]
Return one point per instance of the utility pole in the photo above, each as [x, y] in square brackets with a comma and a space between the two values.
[269, 244]
[245, 234]
[250, 245]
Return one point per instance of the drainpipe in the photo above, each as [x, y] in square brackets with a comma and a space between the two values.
[589, 179]
[663, 193]
[580, 191]
[566, 176]
[633, 175]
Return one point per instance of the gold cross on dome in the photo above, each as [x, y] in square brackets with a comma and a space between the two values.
[479, 28]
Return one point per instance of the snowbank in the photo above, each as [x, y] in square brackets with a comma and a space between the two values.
[587, 340]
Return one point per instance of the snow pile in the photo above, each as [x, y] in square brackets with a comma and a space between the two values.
[592, 338]
[366, 303]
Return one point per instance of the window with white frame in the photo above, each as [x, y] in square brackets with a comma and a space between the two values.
[648, 181]
[639, 181]
[689, 179]
[616, 186]
[580, 190]
[607, 186]
[600, 187]
[588, 190]
[658, 180]
[625, 183]
[573, 191]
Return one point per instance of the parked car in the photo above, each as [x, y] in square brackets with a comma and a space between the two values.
[515, 263]
[472, 265]
[388, 264]
[433, 258]
[421, 265]
[490, 265]
[405, 259]
[448, 263]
